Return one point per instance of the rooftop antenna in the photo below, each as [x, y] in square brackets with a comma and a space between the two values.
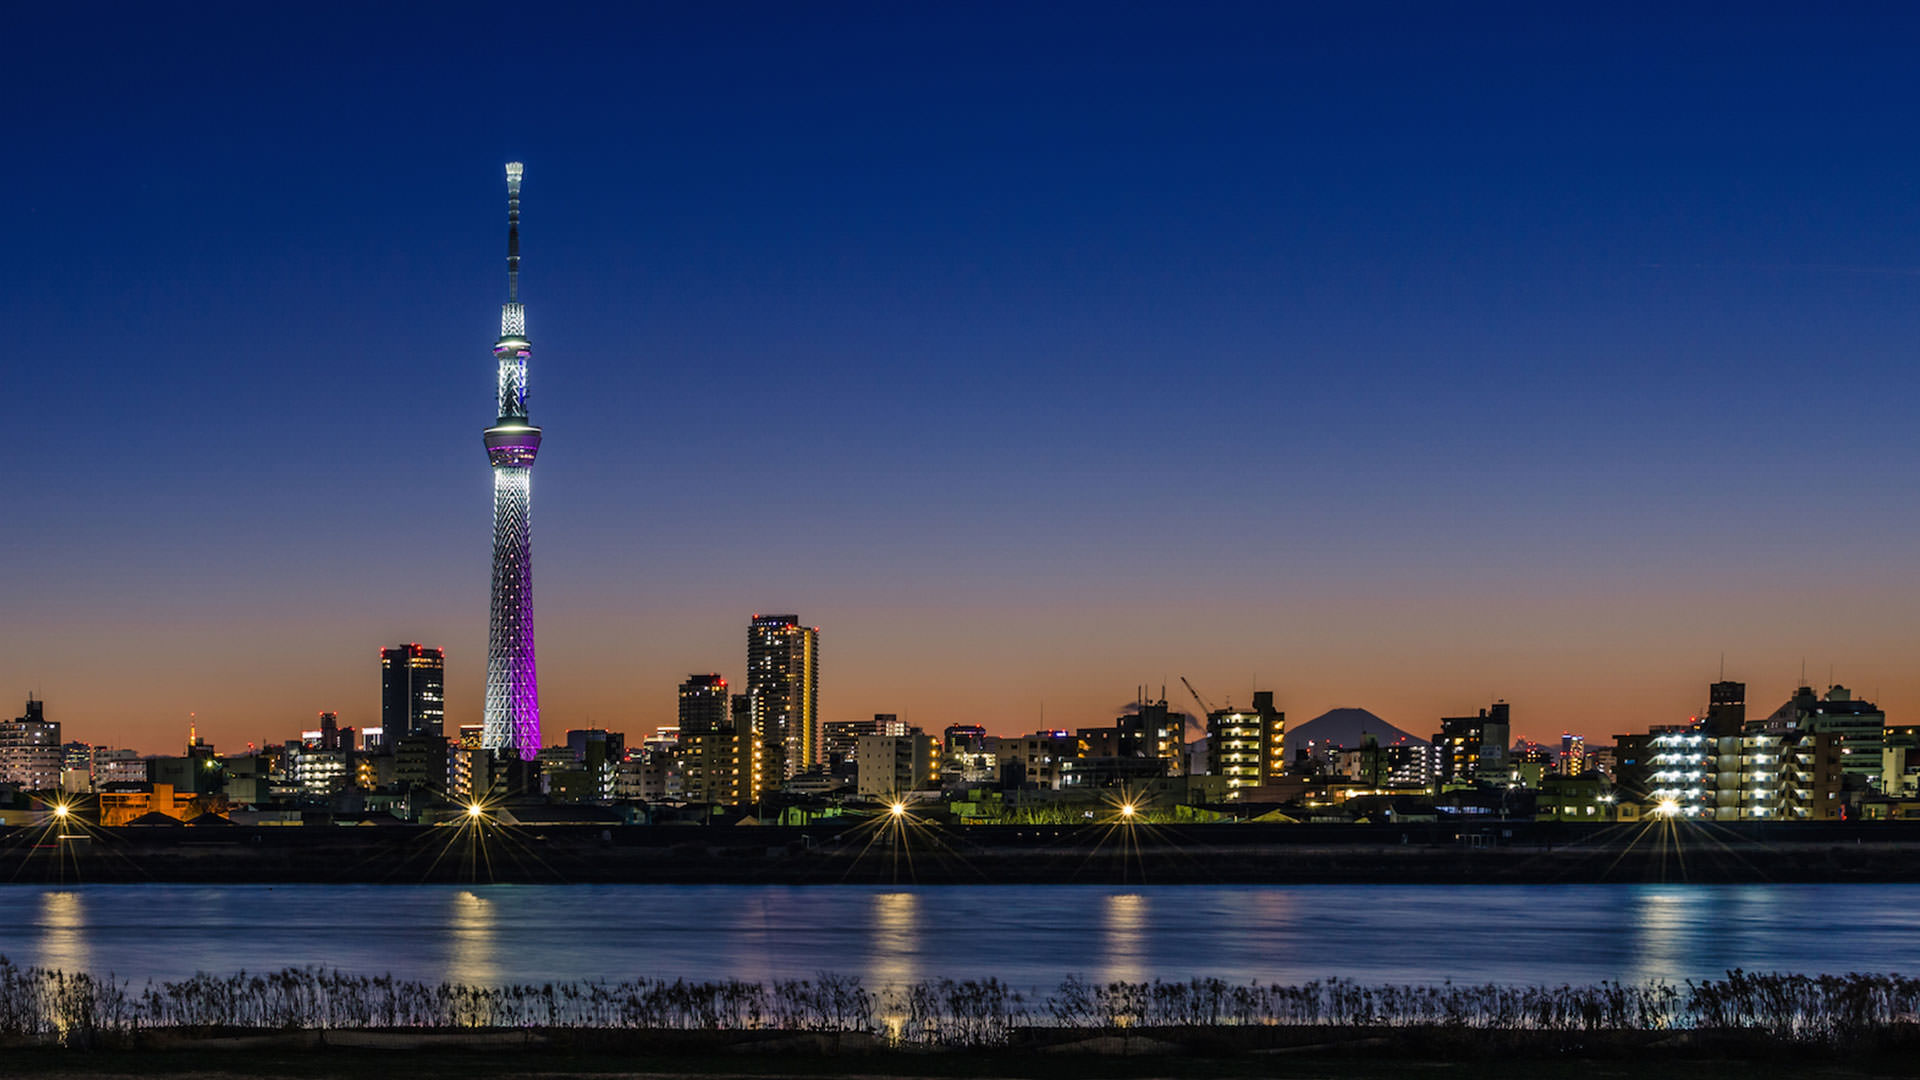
[1723, 667]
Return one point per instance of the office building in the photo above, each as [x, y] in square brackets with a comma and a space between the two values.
[413, 694]
[783, 684]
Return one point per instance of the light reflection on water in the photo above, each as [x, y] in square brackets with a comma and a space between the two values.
[470, 931]
[894, 940]
[1125, 915]
[63, 938]
[1029, 936]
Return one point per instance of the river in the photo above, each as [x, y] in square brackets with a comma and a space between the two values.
[1028, 935]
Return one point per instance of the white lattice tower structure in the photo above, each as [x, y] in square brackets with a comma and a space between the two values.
[512, 727]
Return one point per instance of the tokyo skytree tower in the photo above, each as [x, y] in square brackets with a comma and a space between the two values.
[513, 684]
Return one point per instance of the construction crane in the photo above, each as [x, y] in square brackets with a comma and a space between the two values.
[1206, 710]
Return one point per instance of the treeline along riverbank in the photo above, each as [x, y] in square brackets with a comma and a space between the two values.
[1496, 852]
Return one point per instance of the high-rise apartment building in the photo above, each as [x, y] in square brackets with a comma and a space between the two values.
[1858, 727]
[1247, 746]
[721, 757]
[783, 683]
[413, 694]
[30, 751]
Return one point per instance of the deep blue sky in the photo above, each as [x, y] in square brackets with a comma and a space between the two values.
[1401, 356]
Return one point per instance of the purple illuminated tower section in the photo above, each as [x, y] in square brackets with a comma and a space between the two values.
[512, 716]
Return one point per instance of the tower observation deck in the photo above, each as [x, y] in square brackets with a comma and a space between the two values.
[512, 717]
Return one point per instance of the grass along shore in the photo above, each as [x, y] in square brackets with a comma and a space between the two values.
[1855, 1013]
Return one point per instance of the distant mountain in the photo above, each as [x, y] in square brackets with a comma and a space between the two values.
[1348, 728]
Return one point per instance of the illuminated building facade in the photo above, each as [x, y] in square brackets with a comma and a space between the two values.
[720, 752]
[132, 801]
[1402, 764]
[1042, 759]
[1247, 746]
[840, 738]
[1155, 731]
[118, 766]
[413, 692]
[512, 710]
[469, 766]
[1573, 754]
[783, 685]
[967, 755]
[1473, 749]
[1788, 767]
[890, 765]
[1859, 729]
[1682, 770]
[30, 751]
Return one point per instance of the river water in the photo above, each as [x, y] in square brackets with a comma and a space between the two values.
[1028, 935]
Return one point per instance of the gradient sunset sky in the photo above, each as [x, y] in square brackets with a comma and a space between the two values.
[1401, 356]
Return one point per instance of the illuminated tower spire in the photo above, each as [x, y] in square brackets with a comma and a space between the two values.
[512, 726]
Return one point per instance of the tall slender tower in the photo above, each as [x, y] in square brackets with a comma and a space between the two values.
[512, 716]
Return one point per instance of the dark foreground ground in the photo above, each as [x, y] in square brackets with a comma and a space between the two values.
[1479, 852]
[1066, 1063]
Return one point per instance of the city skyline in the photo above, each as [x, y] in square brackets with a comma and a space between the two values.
[1394, 367]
